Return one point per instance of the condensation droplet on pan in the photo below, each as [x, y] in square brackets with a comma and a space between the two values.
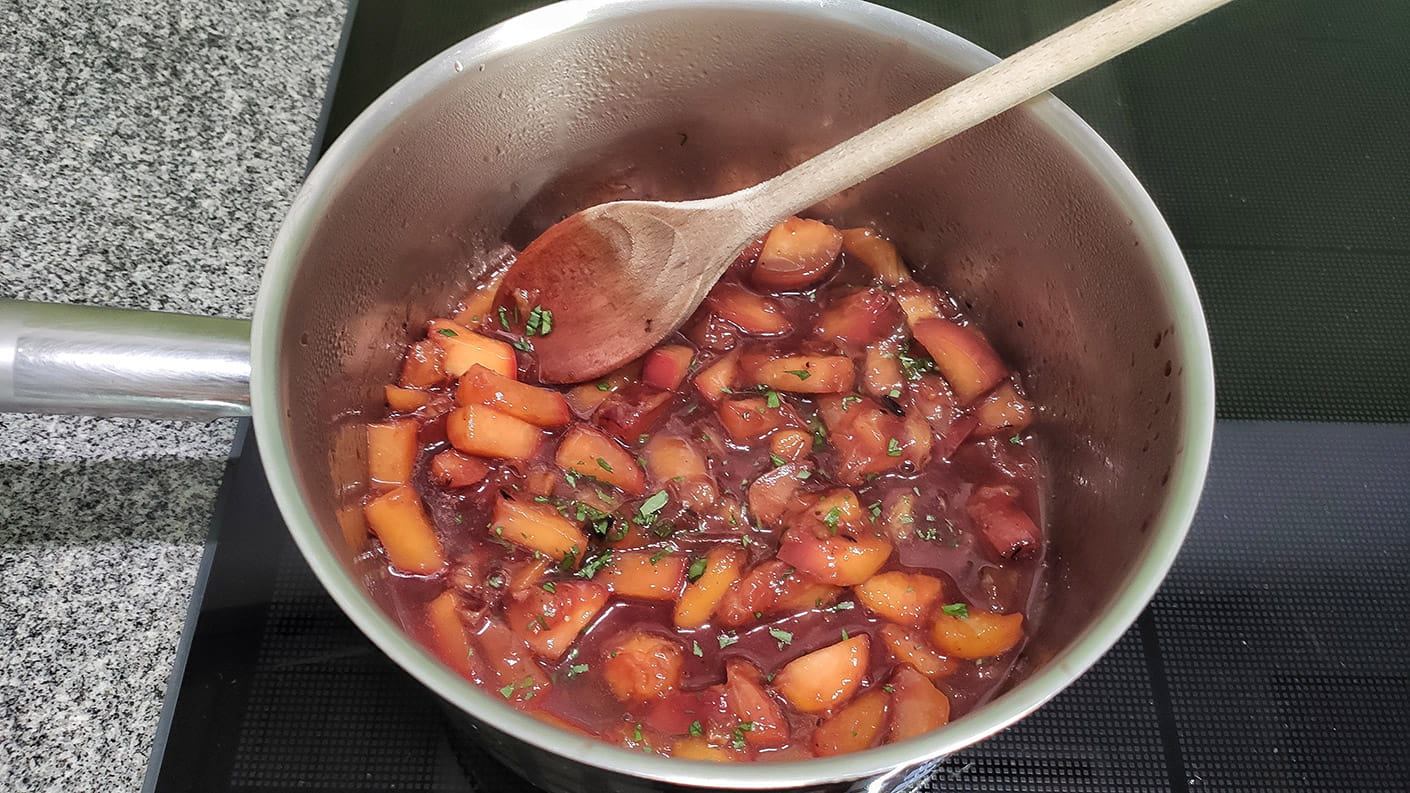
[459, 67]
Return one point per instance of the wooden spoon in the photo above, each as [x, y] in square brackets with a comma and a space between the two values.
[619, 277]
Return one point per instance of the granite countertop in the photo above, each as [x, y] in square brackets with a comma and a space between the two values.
[148, 149]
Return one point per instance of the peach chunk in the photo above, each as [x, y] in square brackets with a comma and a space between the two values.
[391, 451]
[824, 679]
[752, 418]
[592, 453]
[424, 365]
[586, 398]
[791, 445]
[919, 302]
[700, 748]
[515, 674]
[1005, 408]
[464, 348]
[678, 463]
[747, 702]
[719, 571]
[774, 494]
[486, 432]
[643, 666]
[538, 406]
[840, 560]
[537, 527]
[977, 635]
[456, 469]
[476, 306]
[854, 727]
[404, 400]
[718, 379]
[877, 254]
[752, 313]
[633, 411]
[551, 620]
[447, 632]
[858, 319]
[1001, 521]
[666, 367]
[908, 647]
[797, 253]
[399, 520]
[881, 371]
[907, 598]
[802, 374]
[917, 706]
[962, 355]
[868, 439]
[650, 575]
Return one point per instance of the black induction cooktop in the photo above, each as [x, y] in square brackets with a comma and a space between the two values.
[1276, 657]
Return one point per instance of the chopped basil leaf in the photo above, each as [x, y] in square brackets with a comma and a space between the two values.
[503, 318]
[447, 332]
[843, 606]
[960, 610]
[801, 374]
[784, 637]
[888, 688]
[659, 555]
[894, 393]
[604, 386]
[695, 649]
[653, 505]
[590, 569]
[726, 639]
[577, 669]
[804, 474]
[507, 691]
[603, 465]
[849, 401]
[550, 588]
[844, 635]
[697, 569]
[893, 448]
[772, 399]
[776, 460]
[522, 345]
[830, 519]
[636, 734]
[696, 730]
[1016, 440]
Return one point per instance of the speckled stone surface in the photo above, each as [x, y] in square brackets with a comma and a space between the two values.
[148, 149]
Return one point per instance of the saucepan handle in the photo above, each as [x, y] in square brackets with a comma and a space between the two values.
[95, 361]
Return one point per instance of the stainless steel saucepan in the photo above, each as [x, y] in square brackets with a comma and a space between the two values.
[1030, 218]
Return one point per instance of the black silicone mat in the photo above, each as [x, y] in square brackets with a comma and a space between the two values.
[1273, 659]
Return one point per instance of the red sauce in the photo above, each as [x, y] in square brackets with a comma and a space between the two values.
[681, 556]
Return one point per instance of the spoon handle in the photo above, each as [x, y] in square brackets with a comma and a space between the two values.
[1015, 79]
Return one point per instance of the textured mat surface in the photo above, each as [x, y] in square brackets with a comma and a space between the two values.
[1273, 659]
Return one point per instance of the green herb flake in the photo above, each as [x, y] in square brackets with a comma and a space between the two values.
[507, 691]
[636, 734]
[447, 332]
[577, 669]
[540, 322]
[569, 559]
[496, 581]
[772, 399]
[653, 504]
[571, 478]
[503, 318]
[549, 588]
[697, 569]
[776, 460]
[849, 401]
[1016, 440]
[659, 555]
[894, 393]
[603, 465]
[784, 637]
[843, 606]
[604, 386]
[801, 374]
[726, 639]
[888, 688]
[830, 519]
[590, 569]
[696, 730]
[804, 474]
[845, 637]
[695, 650]
[960, 610]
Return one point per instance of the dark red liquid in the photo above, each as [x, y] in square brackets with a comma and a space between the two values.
[943, 542]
